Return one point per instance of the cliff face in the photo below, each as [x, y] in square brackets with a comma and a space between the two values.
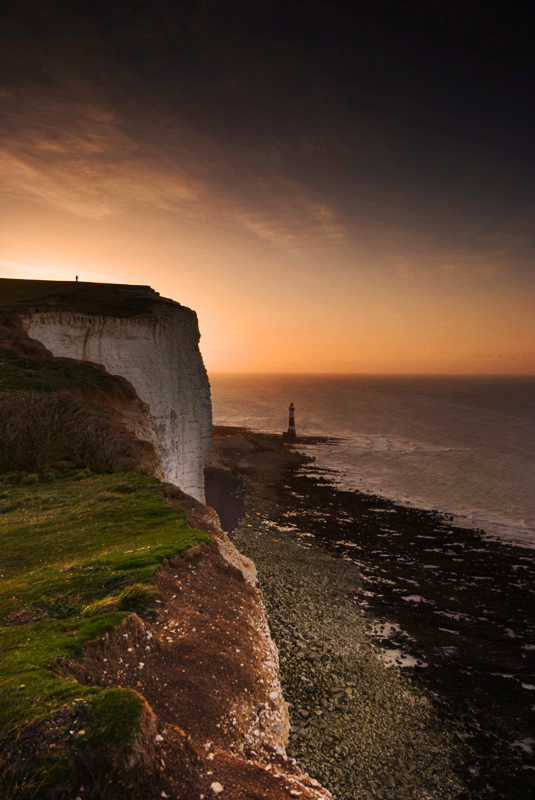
[202, 660]
[207, 669]
[157, 351]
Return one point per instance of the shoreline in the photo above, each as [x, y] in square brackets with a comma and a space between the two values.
[407, 583]
[491, 525]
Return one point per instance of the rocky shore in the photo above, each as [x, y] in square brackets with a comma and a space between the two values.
[360, 729]
[360, 724]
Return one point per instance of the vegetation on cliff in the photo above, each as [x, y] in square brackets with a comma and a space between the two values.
[40, 425]
[91, 298]
[80, 544]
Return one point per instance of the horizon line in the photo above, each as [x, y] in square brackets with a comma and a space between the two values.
[379, 374]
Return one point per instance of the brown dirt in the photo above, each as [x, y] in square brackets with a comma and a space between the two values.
[208, 672]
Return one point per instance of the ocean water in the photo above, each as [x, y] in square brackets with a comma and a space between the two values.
[461, 445]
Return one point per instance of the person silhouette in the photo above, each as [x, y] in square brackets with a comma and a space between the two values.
[77, 279]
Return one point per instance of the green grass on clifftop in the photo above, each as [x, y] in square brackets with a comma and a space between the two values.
[22, 374]
[80, 542]
[40, 425]
[77, 555]
[120, 300]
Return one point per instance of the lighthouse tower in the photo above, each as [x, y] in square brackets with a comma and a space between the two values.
[290, 435]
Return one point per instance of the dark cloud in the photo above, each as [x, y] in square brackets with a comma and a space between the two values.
[296, 115]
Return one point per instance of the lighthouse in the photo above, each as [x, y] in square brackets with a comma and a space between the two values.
[290, 435]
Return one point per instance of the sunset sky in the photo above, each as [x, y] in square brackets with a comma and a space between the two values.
[330, 191]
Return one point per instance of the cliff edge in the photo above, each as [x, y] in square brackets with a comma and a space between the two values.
[151, 341]
[136, 657]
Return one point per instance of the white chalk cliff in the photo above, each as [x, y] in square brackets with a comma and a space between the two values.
[157, 350]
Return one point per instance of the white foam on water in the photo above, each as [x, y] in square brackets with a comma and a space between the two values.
[527, 745]
[397, 658]
[456, 615]
[409, 439]
[415, 598]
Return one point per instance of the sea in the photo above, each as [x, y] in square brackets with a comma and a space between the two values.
[462, 445]
[448, 596]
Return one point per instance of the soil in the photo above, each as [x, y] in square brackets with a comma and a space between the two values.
[206, 667]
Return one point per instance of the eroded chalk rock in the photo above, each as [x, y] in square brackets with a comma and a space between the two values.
[156, 350]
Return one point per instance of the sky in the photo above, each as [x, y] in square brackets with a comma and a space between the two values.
[330, 190]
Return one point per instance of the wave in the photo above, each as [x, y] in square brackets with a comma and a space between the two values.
[464, 447]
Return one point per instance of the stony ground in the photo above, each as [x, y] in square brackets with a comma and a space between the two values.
[206, 668]
[363, 730]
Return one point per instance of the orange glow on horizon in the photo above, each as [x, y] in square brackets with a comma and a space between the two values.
[285, 298]
[381, 332]
[316, 220]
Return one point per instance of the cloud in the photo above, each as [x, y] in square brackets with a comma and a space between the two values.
[288, 217]
[94, 190]
[75, 152]
[470, 270]
[410, 271]
[469, 266]
[328, 223]
[76, 157]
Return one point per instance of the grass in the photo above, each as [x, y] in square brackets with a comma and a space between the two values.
[39, 430]
[21, 374]
[92, 298]
[19, 292]
[80, 541]
[77, 557]
[40, 426]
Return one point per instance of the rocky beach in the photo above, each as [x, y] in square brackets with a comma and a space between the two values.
[406, 643]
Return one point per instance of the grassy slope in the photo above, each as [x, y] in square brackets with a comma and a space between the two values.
[19, 292]
[77, 554]
[21, 374]
[92, 298]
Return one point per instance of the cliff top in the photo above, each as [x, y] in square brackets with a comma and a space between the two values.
[102, 299]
